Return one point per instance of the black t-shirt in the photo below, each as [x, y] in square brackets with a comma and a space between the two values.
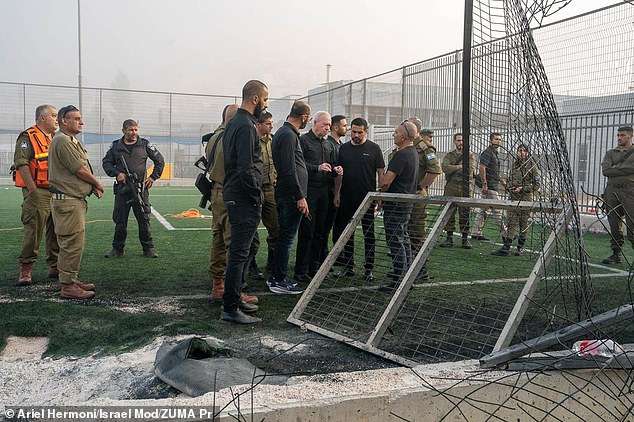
[360, 163]
[405, 165]
[489, 159]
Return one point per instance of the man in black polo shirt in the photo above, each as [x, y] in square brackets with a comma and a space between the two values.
[242, 194]
[362, 162]
[401, 177]
[320, 163]
[290, 193]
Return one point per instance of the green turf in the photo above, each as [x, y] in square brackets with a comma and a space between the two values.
[170, 293]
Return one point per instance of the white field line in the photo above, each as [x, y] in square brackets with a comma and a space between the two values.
[169, 227]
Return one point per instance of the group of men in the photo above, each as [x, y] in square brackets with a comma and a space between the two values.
[53, 170]
[305, 185]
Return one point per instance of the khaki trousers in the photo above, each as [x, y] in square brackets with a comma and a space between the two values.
[69, 217]
[36, 219]
[221, 232]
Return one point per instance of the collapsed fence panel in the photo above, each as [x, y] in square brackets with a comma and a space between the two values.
[436, 304]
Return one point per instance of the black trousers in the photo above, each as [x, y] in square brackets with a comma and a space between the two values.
[345, 212]
[310, 237]
[122, 204]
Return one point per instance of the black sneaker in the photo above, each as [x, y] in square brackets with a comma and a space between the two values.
[347, 272]
[369, 276]
[479, 237]
[615, 258]
[150, 253]
[303, 278]
[285, 287]
[114, 253]
[466, 244]
[447, 243]
[500, 252]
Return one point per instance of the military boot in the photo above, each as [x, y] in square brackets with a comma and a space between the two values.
[520, 246]
[53, 272]
[26, 274]
[505, 249]
[217, 289]
[73, 291]
[449, 242]
[84, 286]
[615, 258]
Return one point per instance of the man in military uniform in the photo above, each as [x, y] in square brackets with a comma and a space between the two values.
[31, 174]
[71, 180]
[221, 228]
[428, 170]
[131, 189]
[454, 175]
[264, 128]
[618, 167]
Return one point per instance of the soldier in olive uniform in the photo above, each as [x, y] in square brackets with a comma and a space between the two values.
[132, 152]
[264, 128]
[522, 186]
[452, 167]
[71, 180]
[618, 167]
[31, 174]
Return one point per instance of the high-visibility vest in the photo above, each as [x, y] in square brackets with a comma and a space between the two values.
[38, 165]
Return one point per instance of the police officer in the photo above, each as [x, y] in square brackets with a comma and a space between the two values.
[132, 152]
[452, 167]
[31, 174]
[71, 180]
[618, 167]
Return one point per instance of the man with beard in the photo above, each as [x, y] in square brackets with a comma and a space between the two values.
[489, 172]
[320, 164]
[452, 167]
[134, 151]
[242, 195]
[362, 162]
[290, 193]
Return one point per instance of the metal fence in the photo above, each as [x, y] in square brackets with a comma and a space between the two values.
[175, 122]
[589, 61]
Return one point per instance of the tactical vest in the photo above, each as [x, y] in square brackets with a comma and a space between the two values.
[38, 165]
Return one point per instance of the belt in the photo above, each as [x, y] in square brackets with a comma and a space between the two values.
[59, 196]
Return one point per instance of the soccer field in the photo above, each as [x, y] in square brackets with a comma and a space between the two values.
[138, 298]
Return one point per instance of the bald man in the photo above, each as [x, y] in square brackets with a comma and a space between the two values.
[401, 177]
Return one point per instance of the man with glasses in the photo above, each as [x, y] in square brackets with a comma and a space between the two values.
[290, 193]
[71, 181]
[320, 164]
[401, 177]
[31, 174]
[362, 163]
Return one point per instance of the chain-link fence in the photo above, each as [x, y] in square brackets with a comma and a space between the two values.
[174, 122]
[589, 62]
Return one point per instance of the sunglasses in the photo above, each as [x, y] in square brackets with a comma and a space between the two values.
[65, 110]
[409, 135]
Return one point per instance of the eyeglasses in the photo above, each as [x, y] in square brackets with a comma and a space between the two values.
[409, 135]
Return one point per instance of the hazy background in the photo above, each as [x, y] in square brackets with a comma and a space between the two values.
[213, 47]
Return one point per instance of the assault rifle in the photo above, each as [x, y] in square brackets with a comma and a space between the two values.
[202, 183]
[133, 186]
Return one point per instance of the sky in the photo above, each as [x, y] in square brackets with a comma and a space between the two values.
[215, 46]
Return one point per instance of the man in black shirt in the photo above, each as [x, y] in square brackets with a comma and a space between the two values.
[401, 177]
[242, 194]
[362, 162]
[135, 151]
[290, 193]
[320, 163]
[489, 172]
[338, 130]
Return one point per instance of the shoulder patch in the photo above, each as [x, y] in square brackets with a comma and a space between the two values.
[24, 145]
[431, 156]
[152, 147]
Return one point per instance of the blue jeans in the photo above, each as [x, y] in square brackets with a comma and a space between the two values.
[289, 219]
[395, 219]
[244, 218]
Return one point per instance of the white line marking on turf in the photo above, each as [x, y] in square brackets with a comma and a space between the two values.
[162, 220]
